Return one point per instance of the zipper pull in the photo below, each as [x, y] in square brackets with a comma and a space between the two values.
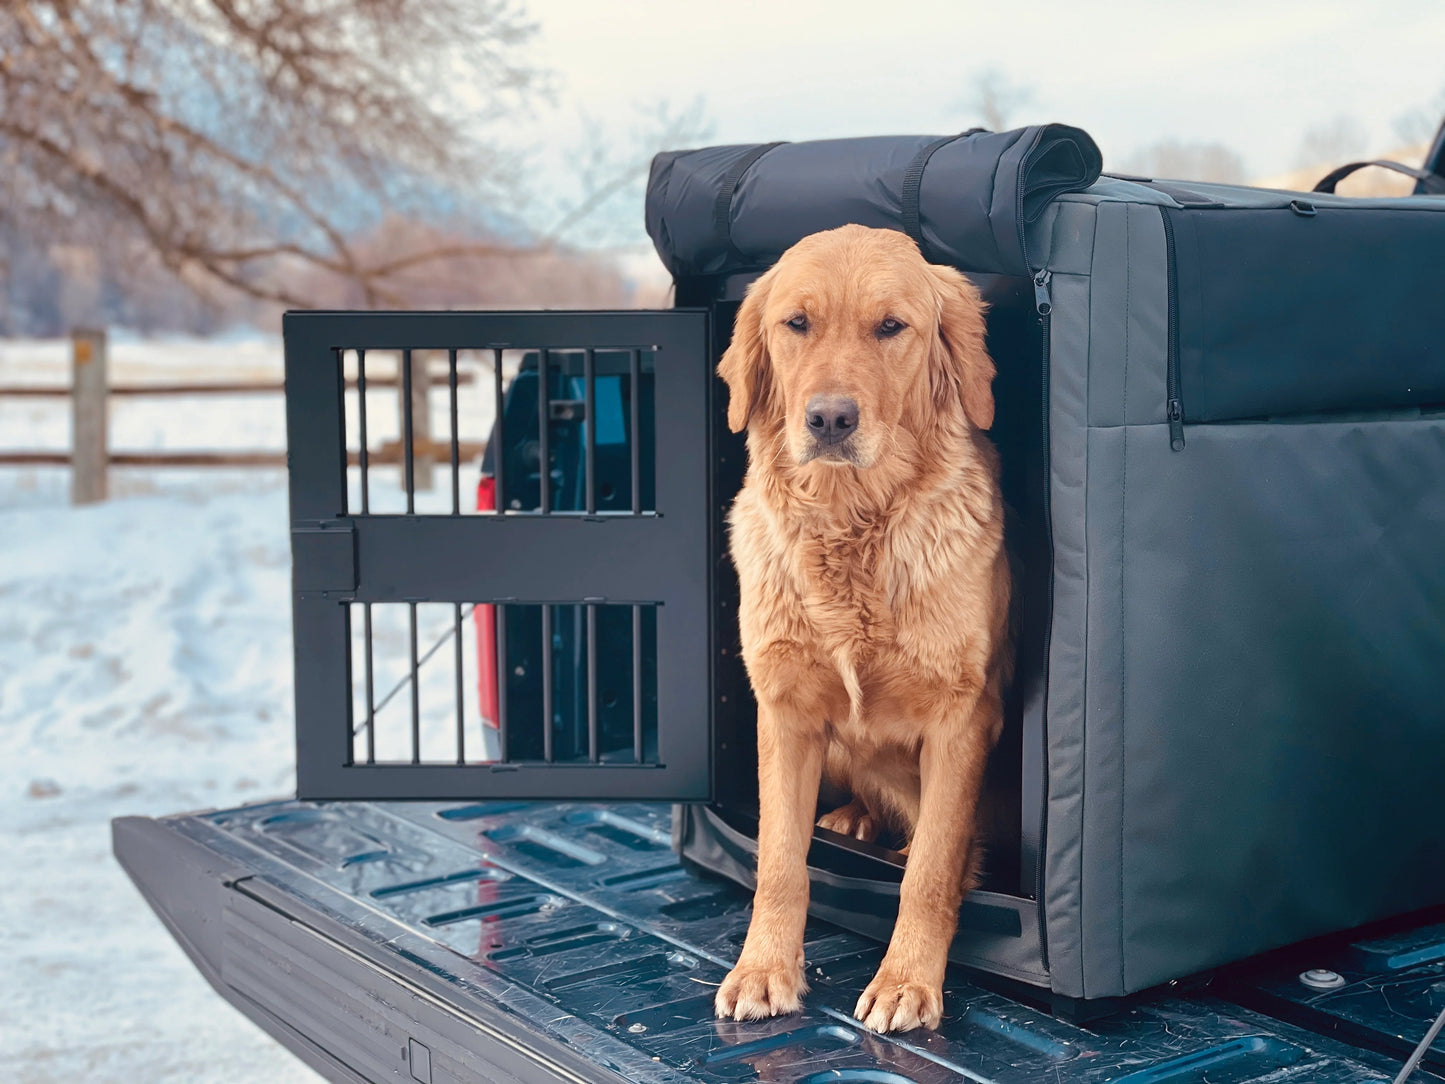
[1176, 425]
[1042, 301]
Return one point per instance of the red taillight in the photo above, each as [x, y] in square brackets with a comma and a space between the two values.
[485, 617]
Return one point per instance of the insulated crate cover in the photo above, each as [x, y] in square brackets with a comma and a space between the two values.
[1242, 721]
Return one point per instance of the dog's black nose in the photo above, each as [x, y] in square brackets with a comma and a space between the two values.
[832, 418]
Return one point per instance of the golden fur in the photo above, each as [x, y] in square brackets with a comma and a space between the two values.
[875, 596]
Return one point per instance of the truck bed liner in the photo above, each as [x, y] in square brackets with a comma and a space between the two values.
[505, 941]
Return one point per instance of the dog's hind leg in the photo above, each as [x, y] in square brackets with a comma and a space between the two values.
[853, 819]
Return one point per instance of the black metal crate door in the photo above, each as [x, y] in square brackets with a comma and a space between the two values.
[549, 637]
[626, 663]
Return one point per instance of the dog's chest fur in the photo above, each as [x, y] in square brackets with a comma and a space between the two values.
[867, 596]
[844, 578]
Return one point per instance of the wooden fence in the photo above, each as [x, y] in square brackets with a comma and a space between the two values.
[90, 457]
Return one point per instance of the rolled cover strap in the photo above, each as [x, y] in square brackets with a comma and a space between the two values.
[913, 181]
[1429, 183]
[722, 210]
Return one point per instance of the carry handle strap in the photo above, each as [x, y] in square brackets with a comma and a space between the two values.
[1430, 183]
[913, 182]
[722, 210]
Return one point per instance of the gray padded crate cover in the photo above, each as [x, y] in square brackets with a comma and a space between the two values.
[1241, 730]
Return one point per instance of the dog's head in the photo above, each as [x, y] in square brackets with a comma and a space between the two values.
[852, 347]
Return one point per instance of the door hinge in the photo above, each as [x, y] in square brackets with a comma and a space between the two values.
[323, 559]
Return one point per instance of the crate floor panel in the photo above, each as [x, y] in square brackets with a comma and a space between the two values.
[445, 942]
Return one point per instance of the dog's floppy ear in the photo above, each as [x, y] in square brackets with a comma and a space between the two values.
[959, 365]
[744, 367]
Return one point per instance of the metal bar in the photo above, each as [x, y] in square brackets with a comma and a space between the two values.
[678, 386]
[558, 558]
[415, 693]
[563, 781]
[456, 439]
[370, 687]
[461, 702]
[362, 452]
[547, 684]
[637, 684]
[408, 455]
[316, 483]
[665, 329]
[592, 681]
[544, 419]
[422, 660]
[500, 640]
[351, 724]
[589, 414]
[499, 442]
[634, 443]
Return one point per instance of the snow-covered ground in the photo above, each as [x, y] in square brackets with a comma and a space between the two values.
[145, 668]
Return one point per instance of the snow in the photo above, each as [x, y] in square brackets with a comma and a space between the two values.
[145, 668]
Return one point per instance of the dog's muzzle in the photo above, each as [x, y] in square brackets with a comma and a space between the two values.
[832, 421]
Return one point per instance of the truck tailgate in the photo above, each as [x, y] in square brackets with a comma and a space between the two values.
[505, 941]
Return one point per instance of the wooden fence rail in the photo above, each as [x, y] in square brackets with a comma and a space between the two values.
[273, 387]
[90, 456]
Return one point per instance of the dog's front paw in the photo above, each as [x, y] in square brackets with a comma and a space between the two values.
[895, 1003]
[755, 993]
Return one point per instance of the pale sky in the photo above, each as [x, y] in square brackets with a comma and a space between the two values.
[1252, 75]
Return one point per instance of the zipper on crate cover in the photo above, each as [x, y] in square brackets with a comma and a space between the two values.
[1174, 406]
[1044, 304]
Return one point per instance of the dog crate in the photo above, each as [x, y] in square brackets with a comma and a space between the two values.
[1219, 417]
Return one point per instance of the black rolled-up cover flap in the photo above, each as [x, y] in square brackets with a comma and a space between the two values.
[965, 199]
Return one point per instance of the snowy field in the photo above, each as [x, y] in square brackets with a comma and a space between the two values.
[145, 668]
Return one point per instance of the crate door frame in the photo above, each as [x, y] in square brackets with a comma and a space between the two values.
[659, 558]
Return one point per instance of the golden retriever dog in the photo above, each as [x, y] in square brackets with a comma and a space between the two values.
[868, 540]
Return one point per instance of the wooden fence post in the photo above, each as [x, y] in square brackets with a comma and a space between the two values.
[88, 441]
[423, 462]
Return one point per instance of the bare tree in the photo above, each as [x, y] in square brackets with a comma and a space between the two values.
[599, 207]
[1171, 158]
[433, 270]
[1333, 142]
[1419, 125]
[994, 99]
[228, 135]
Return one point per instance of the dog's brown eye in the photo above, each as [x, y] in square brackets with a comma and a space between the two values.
[798, 323]
[890, 327]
